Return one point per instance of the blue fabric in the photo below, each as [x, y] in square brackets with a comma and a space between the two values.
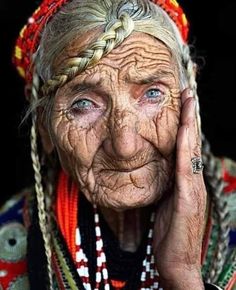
[232, 236]
[14, 213]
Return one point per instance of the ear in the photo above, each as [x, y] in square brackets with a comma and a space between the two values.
[46, 140]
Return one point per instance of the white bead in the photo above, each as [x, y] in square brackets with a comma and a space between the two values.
[152, 259]
[99, 245]
[96, 218]
[149, 249]
[152, 274]
[150, 233]
[79, 256]
[152, 217]
[86, 272]
[87, 286]
[156, 285]
[143, 276]
[80, 271]
[98, 277]
[104, 273]
[144, 262]
[99, 262]
[103, 257]
[107, 287]
[98, 231]
[148, 267]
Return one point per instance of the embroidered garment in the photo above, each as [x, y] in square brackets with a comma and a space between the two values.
[23, 261]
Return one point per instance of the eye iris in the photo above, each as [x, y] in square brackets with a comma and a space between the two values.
[82, 104]
[154, 93]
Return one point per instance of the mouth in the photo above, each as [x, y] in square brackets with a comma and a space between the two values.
[127, 168]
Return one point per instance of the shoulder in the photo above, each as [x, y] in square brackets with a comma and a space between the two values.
[13, 240]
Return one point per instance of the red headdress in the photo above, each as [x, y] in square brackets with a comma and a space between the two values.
[28, 40]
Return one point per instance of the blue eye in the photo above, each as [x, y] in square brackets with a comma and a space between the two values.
[83, 104]
[153, 93]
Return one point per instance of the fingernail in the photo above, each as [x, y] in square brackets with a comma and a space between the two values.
[194, 104]
[190, 93]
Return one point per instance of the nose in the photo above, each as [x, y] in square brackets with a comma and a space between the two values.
[124, 141]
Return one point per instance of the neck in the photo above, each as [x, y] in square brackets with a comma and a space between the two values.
[128, 226]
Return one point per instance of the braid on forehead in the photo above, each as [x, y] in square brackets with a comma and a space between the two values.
[116, 18]
[115, 33]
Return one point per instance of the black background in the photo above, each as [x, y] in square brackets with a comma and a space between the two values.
[213, 33]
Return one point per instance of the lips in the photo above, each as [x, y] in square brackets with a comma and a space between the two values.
[127, 169]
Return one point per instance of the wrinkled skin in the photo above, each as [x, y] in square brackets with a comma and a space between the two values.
[124, 131]
[115, 125]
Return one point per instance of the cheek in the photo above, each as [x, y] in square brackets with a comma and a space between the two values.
[161, 129]
[167, 123]
[76, 142]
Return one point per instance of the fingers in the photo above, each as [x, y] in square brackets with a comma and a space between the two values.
[188, 140]
[189, 118]
[190, 187]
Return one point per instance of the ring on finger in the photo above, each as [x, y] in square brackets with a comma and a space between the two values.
[197, 165]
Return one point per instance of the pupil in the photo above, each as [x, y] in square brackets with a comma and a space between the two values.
[12, 242]
[84, 103]
[153, 93]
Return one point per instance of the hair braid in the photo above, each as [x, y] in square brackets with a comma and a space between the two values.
[215, 182]
[114, 34]
[42, 215]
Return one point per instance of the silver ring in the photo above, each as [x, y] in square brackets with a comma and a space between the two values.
[197, 165]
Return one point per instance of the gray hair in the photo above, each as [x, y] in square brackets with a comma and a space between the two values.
[78, 17]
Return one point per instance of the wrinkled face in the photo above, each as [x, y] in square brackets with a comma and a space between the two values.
[114, 126]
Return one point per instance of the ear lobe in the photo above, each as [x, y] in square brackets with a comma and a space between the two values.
[46, 140]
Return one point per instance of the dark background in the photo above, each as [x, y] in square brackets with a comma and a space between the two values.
[213, 35]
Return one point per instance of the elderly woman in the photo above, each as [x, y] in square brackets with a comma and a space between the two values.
[120, 200]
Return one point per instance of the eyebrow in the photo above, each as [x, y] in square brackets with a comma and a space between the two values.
[156, 76]
[89, 86]
[85, 86]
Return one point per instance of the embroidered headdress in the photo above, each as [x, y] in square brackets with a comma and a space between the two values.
[29, 38]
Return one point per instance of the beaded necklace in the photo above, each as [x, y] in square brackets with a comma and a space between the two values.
[148, 277]
[66, 213]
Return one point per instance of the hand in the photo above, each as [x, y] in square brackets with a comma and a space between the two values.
[179, 221]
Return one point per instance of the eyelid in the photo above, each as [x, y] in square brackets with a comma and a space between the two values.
[162, 87]
[82, 98]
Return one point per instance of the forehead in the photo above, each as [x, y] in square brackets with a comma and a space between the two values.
[137, 56]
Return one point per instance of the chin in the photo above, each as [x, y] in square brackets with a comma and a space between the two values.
[126, 190]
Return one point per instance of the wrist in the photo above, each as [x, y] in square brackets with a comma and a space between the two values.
[184, 280]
